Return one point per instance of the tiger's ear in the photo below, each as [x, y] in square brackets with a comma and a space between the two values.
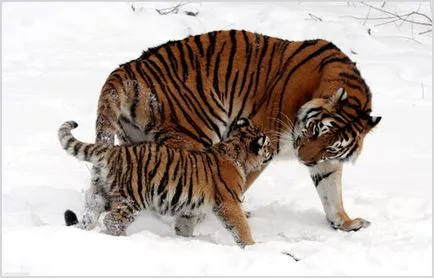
[339, 96]
[242, 122]
[372, 122]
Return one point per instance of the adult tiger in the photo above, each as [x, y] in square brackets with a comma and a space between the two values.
[188, 93]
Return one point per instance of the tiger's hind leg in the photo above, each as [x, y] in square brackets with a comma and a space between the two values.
[328, 182]
[235, 221]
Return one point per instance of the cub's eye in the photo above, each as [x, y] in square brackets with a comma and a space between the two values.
[315, 131]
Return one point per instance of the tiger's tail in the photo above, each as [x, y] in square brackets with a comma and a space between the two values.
[93, 153]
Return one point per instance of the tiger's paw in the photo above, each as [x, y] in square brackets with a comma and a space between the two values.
[350, 225]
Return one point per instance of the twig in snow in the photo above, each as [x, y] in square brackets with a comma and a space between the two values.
[291, 255]
[314, 17]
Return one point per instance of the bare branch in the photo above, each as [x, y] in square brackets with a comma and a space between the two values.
[314, 17]
[367, 16]
[170, 10]
[424, 32]
[387, 22]
[400, 16]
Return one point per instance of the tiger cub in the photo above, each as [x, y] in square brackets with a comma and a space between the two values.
[175, 182]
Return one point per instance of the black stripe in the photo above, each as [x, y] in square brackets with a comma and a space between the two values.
[319, 177]
[190, 183]
[210, 50]
[177, 195]
[172, 59]
[135, 100]
[140, 174]
[165, 178]
[232, 94]
[69, 142]
[210, 166]
[349, 76]
[76, 148]
[182, 58]
[333, 59]
[249, 57]
[259, 65]
[191, 56]
[199, 44]
[216, 73]
[270, 64]
[230, 61]
[129, 172]
[86, 151]
[156, 165]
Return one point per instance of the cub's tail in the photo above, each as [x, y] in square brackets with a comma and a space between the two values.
[94, 153]
[70, 218]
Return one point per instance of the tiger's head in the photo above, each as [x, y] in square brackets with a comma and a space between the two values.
[331, 129]
[249, 145]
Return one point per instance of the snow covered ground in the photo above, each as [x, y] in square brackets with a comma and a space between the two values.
[55, 58]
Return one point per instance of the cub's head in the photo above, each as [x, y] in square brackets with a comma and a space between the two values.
[331, 129]
[251, 145]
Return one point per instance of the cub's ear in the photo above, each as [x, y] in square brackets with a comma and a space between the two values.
[257, 144]
[372, 122]
[242, 122]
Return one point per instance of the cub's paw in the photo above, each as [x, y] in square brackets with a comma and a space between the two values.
[350, 225]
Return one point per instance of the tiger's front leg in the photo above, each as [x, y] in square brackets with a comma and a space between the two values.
[122, 213]
[327, 178]
[235, 221]
[185, 224]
